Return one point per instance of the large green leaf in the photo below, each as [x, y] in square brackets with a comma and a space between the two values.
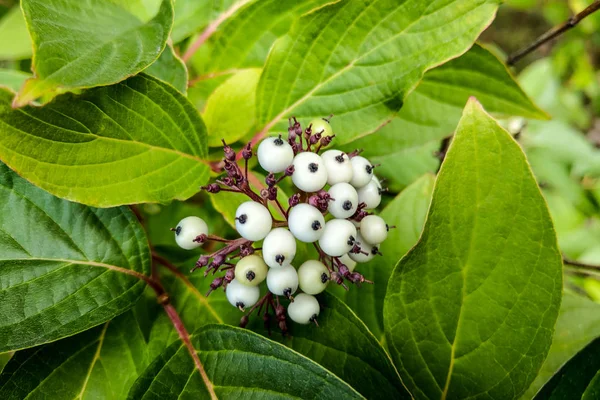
[405, 147]
[578, 324]
[239, 364]
[169, 68]
[64, 267]
[359, 60]
[12, 79]
[192, 15]
[137, 141]
[470, 310]
[407, 212]
[15, 43]
[87, 43]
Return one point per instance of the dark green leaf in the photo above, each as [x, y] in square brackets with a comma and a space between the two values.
[137, 141]
[359, 60]
[169, 68]
[82, 44]
[470, 310]
[15, 43]
[64, 267]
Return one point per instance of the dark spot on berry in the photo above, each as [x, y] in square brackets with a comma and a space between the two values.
[313, 318]
[369, 169]
[279, 258]
[351, 240]
[347, 205]
[340, 158]
[240, 304]
[278, 141]
[242, 218]
[287, 292]
[178, 230]
[313, 167]
[374, 250]
[316, 225]
[387, 227]
[250, 275]
[324, 277]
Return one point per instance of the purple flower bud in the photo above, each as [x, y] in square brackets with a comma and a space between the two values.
[247, 152]
[246, 250]
[270, 179]
[217, 261]
[314, 201]
[264, 193]
[228, 181]
[355, 153]
[326, 140]
[294, 200]
[272, 193]
[212, 188]
[228, 151]
[201, 238]
[202, 261]
[314, 139]
[343, 270]
[229, 275]
[289, 171]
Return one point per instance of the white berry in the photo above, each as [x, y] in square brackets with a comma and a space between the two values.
[313, 277]
[362, 171]
[240, 295]
[373, 229]
[251, 270]
[310, 175]
[253, 221]
[189, 229]
[304, 310]
[306, 223]
[344, 200]
[279, 248]
[275, 154]
[339, 236]
[348, 262]
[338, 166]
[370, 250]
[320, 125]
[282, 281]
[370, 194]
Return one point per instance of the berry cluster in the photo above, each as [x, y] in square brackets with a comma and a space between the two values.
[329, 210]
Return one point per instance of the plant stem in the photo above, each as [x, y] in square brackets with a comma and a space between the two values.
[581, 265]
[554, 32]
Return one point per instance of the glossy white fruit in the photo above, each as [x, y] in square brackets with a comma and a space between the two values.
[338, 166]
[279, 248]
[282, 281]
[189, 229]
[370, 249]
[344, 200]
[304, 310]
[240, 295]
[251, 270]
[275, 154]
[338, 237]
[320, 125]
[306, 223]
[370, 194]
[348, 262]
[362, 171]
[253, 221]
[373, 229]
[313, 277]
[310, 175]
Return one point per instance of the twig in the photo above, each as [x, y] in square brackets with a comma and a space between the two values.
[579, 264]
[554, 32]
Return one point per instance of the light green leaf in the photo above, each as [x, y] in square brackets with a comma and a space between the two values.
[4, 359]
[82, 44]
[230, 111]
[170, 69]
[15, 43]
[136, 141]
[470, 310]
[12, 79]
[359, 60]
[64, 267]
[405, 147]
[578, 324]
[407, 213]
[193, 15]
[238, 364]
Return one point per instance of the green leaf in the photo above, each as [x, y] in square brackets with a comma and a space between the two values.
[239, 364]
[82, 44]
[136, 141]
[15, 43]
[407, 212]
[359, 60]
[230, 111]
[405, 147]
[170, 69]
[12, 79]
[4, 359]
[64, 267]
[470, 310]
[192, 15]
[578, 324]
[579, 378]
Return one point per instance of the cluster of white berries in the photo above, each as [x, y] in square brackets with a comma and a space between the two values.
[330, 210]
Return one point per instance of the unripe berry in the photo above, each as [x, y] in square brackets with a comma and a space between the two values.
[275, 154]
[251, 270]
[370, 194]
[339, 236]
[318, 125]
[348, 262]
[253, 221]
[313, 277]
[282, 281]
[240, 295]
[344, 200]
[279, 248]
[362, 171]
[371, 250]
[338, 166]
[306, 223]
[310, 175]
[373, 229]
[189, 229]
[304, 310]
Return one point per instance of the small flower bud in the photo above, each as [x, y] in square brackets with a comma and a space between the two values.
[246, 250]
[289, 171]
[270, 180]
[215, 284]
[247, 152]
[294, 200]
[228, 151]
[326, 140]
[272, 193]
[212, 188]
[229, 276]
[201, 238]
